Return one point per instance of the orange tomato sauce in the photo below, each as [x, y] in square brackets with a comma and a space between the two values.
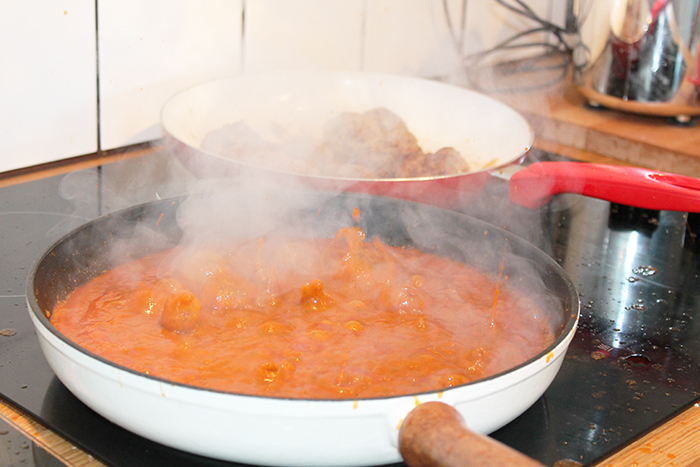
[316, 318]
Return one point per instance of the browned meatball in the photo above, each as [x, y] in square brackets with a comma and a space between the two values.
[377, 140]
[446, 161]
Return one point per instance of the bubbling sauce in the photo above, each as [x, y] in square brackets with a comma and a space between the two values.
[342, 318]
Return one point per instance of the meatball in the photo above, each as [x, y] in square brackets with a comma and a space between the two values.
[178, 307]
[180, 312]
[377, 140]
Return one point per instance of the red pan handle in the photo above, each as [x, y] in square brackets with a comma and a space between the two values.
[434, 435]
[649, 189]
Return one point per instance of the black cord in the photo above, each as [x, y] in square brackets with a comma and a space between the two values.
[459, 41]
[528, 12]
[556, 55]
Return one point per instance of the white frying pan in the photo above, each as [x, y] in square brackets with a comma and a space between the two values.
[488, 134]
[290, 432]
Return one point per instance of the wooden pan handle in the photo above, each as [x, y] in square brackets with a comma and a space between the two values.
[434, 435]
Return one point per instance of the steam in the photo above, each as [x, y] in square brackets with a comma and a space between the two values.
[245, 208]
[224, 201]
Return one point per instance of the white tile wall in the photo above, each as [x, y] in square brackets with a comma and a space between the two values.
[410, 37]
[303, 34]
[149, 50]
[48, 81]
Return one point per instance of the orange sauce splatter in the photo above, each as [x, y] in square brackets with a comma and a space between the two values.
[356, 215]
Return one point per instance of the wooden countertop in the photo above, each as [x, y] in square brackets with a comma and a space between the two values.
[560, 116]
[563, 124]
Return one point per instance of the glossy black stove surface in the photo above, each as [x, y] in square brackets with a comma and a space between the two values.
[633, 364]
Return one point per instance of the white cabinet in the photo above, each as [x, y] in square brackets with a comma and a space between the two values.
[48, 97]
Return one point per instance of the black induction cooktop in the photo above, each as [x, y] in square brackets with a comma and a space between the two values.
[633, 364]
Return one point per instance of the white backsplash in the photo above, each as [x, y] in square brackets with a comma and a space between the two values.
[149, 50]
[304, 34]
[409, 37]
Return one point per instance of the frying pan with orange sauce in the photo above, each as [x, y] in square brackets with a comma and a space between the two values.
[305, 432]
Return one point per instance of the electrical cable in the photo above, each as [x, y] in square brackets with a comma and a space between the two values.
[548, 67]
